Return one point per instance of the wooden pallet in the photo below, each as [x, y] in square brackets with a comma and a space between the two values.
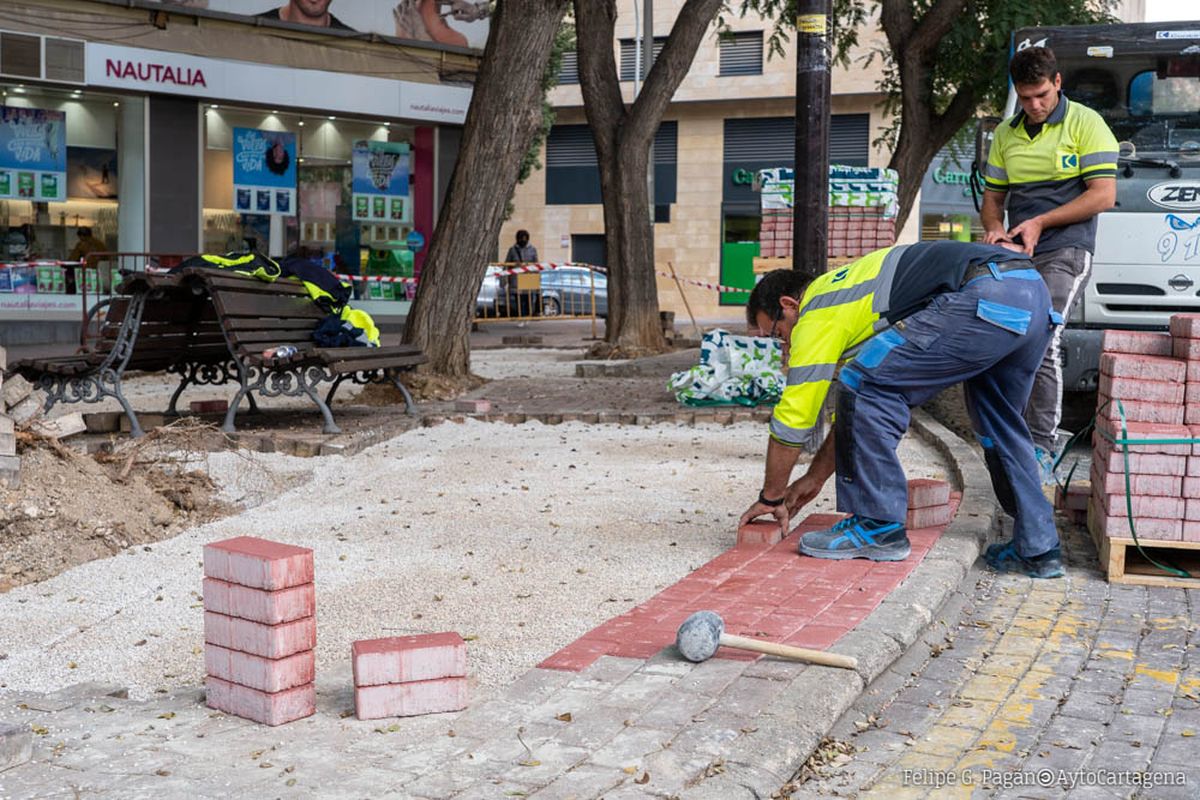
[1122, 562]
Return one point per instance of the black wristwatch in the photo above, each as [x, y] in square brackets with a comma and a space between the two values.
[769, 503]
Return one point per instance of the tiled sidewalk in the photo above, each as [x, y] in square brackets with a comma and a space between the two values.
[767, 592]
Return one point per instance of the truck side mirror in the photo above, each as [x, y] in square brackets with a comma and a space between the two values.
[985, 128]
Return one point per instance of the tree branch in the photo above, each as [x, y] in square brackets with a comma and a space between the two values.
[595, 22]
[670, 68]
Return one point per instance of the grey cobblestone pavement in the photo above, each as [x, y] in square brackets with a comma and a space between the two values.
[1041, 689]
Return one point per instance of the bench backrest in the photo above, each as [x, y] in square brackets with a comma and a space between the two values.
[256, 315]
[176, 326]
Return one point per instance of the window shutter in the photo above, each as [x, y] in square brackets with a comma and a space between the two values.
[569, 74]
[629, 56]
[742, 53]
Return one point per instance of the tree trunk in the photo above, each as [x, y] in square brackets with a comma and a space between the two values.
[623, 137]
[504, 116]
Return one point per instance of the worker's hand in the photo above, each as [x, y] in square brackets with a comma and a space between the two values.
[996, 236]
[1030, 231]
[779, 513]
[802, 492]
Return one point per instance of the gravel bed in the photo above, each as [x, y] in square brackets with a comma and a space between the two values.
[521, 537]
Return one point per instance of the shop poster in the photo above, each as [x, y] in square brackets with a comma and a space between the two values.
[380, 185]
[33, 154]
[264, 172]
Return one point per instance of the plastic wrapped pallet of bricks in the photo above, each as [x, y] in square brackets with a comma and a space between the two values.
[1185, 341]
[260, 629]
[743, 370]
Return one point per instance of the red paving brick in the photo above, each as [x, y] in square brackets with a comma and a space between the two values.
[771, 593]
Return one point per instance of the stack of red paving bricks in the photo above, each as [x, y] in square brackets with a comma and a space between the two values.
[1141, 377]
[403, 676]
[260, 629]
[928, 504]
[928, 507]
[853, 231]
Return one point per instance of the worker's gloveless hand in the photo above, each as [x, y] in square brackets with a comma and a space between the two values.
[802, 492]
[1029, 232]
[779, 513]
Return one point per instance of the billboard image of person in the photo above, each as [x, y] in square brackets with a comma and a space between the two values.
[423, 20]
[307, 12]
[455, 23]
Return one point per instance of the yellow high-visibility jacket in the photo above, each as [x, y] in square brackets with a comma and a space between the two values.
[844, 308]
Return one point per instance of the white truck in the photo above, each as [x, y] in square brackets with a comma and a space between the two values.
[1144, 79]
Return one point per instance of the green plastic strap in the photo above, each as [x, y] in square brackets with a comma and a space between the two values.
[1125, 441]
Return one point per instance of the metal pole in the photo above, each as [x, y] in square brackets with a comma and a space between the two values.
[648, 60]
[810, 209]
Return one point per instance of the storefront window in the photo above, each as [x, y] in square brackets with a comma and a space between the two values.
[324, 226]
[35, 227]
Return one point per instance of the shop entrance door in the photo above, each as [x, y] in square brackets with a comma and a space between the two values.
[739, 248]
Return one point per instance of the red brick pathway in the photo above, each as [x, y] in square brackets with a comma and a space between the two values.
[770, 592]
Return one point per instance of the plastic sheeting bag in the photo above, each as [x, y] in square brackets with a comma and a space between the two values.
[742, 370]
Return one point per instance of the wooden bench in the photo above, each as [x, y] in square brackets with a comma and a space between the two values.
[211, 327]
[255, 315]
[156, 327]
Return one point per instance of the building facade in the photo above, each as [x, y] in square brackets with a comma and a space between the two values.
[149, 115]
[732, 115]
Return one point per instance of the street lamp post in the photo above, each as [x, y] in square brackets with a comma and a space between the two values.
[810, 207]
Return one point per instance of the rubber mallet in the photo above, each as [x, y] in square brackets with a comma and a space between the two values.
[703, 632]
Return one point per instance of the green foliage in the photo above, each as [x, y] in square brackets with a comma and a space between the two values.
[972, 57]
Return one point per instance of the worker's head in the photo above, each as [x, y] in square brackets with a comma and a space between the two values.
[84, 232]
[1035, 77]
[522, 238]
[774, 305]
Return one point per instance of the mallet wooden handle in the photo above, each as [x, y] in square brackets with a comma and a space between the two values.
[788, 651]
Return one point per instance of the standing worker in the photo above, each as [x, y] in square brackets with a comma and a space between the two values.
[1055, 163]
[916, 319]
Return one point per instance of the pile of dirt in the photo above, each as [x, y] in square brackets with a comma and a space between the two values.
[71, 508]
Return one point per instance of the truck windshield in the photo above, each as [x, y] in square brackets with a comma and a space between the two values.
[1151, 103]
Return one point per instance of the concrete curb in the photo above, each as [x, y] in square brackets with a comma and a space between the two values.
[806, 711]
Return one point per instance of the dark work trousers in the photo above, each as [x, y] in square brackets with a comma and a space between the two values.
[991, 336]
[1066, 272]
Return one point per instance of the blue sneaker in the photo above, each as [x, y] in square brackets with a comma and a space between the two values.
[1045, 460]
[858, 537]
[1003, 557]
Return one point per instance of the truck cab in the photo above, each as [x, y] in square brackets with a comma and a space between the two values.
[1144, 79]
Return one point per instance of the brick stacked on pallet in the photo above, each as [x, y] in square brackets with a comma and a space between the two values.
[928, 504]
[405, 676]
[852, 232]
[1139, 375]
[260, 629]
[1185, 336]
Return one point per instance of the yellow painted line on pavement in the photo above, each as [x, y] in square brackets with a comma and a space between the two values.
[1168, 676]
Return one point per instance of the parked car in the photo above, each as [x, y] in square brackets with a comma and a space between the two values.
[489, 294]
[568, 290]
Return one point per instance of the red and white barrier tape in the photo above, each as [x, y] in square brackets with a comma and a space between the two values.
[541, 267]
[718, 287]
[46, 263]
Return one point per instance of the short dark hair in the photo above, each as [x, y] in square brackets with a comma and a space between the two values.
[83, 231]
[522, 232]
[1033, 65]
[775, 285]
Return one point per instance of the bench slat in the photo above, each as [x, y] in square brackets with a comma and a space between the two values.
[231, 304]
[393, 362]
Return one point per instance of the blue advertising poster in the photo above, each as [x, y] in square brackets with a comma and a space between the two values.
[33, 154]
[380, 185]
[264, 172]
